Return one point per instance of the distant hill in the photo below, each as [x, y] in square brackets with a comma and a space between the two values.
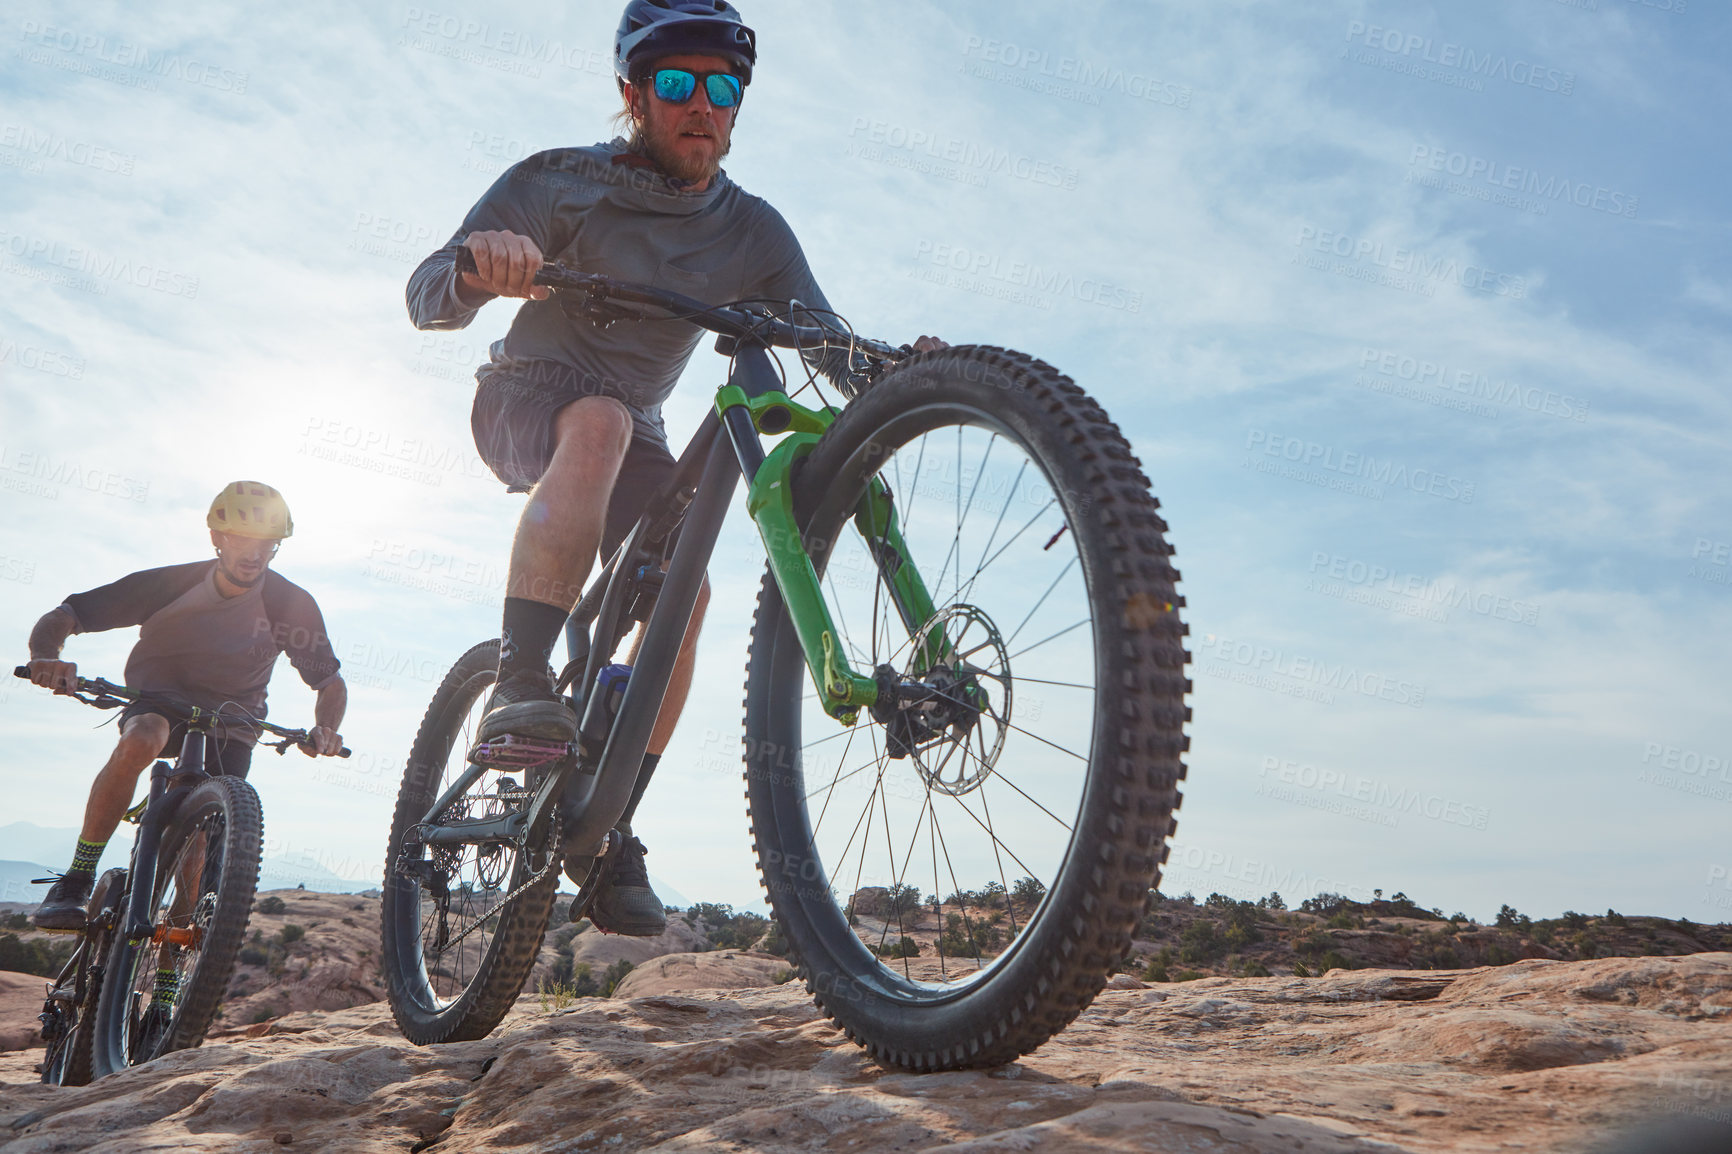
[15, 878]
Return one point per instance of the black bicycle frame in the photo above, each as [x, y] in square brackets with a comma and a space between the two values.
[594, 795]
[160, 806]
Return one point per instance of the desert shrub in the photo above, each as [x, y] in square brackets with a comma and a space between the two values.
[254, 956]
[613, 976]
[1200, 943]
[41, 958]
[782, 977]
[1272, 902]
[905, 899]
[1334, 960]
[906, 948]
[272, 905]
[1508, 918]
[1574, 920]
[1300, 971]
[1030, 891]
[1158, 966]
[292, 933]
[18, 921]
[966, 937]
[1324, 903]
[1255, 969]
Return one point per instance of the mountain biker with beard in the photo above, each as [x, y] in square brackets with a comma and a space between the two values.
[211, 634]
[571, 412]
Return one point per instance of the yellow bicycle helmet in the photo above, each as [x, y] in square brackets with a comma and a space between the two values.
[251, 509]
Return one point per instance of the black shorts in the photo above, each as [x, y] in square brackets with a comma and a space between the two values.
[513, 425]
[223, 757]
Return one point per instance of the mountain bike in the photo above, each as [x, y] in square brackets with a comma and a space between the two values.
[966, 666]
[181, 904]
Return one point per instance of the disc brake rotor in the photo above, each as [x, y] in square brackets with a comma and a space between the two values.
[961, 655]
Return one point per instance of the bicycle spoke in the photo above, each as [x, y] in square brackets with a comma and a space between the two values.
[1053, 637]
[1018, 630]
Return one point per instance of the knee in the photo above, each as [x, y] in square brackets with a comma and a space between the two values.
[141, 740]
[593, 427]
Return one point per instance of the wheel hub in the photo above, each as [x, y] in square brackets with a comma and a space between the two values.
[949, 707]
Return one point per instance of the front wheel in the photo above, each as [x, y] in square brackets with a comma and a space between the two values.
[457, 936]
[161, 994]
[958, 877]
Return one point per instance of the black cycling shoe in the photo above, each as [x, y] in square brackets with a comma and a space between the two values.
[527, 706]
[62, 911]
[625, 904]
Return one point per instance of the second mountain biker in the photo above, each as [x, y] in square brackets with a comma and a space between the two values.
[571, 412]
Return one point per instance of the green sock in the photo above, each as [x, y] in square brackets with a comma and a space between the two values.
[85, 857]
[167, 987]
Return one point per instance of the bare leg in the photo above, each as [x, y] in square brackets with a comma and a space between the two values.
[111, 793]
[680, 680]
[560, 528]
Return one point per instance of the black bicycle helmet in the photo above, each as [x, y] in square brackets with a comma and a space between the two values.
[651, 29]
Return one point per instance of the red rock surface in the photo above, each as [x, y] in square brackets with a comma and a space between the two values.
[1538, 1055]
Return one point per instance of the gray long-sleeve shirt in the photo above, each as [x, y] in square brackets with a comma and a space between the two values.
[601, 210]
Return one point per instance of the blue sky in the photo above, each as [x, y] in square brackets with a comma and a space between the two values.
[1416, 314]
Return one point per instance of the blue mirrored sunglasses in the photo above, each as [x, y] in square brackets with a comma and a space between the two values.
[676, 85]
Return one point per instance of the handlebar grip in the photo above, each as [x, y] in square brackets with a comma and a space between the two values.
[343, 752]
[21, 671]
[466, 260]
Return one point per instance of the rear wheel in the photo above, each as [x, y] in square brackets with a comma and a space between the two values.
[456, 951]
[958, 878]
[206, 875]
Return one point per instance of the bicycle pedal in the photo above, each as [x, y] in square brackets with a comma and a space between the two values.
[512, 752]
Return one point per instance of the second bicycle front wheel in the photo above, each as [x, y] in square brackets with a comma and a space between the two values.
[161, 994]
[958, 878]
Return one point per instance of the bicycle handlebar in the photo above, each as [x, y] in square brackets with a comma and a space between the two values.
[739, 321]
[115, 694]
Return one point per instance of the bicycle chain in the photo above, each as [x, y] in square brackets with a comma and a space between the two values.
[553, 863]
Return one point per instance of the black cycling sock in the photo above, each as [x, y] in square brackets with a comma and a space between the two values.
[527, 637]
[650, 761]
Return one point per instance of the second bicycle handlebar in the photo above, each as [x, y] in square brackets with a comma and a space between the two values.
[119, 693]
